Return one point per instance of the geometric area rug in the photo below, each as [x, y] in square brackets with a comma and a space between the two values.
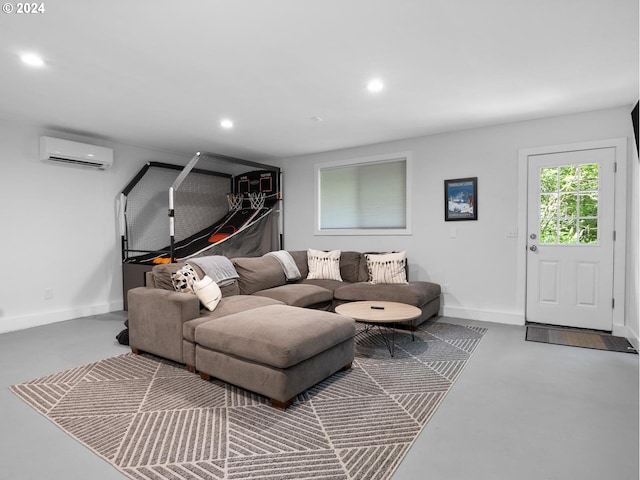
[153, 420]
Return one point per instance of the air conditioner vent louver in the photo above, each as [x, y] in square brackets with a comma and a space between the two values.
[55, 150]
[76, 162]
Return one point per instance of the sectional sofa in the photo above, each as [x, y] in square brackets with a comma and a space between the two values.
[270, 334]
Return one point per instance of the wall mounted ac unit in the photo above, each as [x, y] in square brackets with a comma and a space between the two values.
[57, 150]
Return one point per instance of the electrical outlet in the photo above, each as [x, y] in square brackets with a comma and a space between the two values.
[445, 288]
[512, 233]
[48, 293]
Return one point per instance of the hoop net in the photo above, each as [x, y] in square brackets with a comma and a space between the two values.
[235, 201]
[256, 199]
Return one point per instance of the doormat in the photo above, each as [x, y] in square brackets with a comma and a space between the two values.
[578, 338]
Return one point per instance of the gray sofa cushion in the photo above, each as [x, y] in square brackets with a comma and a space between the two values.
[328, 284]
[258, 273]
[278, 335]
[162, 274]
[300, 257]
[227, 306]
[413, 293]
[351, 267]
[298, 294]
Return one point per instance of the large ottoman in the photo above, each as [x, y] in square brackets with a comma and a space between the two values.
[277, 350]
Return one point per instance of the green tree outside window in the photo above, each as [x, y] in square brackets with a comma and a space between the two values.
[569, 204]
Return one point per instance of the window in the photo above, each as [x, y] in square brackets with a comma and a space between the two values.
[569, 204]
[364, 196]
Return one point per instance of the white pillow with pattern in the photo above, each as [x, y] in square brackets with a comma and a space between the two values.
[323, 265]
[184, 279]
[387, 267]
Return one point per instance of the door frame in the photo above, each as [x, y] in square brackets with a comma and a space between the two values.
[620, 221]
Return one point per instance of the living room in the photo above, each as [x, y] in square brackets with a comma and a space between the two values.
[60, 224]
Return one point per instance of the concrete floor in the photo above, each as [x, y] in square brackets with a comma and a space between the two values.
[520, 410]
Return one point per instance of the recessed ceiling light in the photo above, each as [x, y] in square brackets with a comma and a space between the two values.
[226, 123]
[32, 60]
[316, 118]
[375, 85]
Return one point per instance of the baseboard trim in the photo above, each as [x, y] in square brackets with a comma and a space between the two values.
[22, 322]
[483, 315]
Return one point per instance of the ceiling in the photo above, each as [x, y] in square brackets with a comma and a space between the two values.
[163, 73]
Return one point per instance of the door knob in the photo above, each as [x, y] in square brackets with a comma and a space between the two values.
[533, 248]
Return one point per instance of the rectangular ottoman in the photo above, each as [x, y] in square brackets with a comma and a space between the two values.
[277, 351]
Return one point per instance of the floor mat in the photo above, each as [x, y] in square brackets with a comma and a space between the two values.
[578, 338]
[152, 419]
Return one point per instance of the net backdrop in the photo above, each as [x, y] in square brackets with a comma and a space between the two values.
[200, 201]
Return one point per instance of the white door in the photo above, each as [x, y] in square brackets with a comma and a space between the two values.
[570, 238]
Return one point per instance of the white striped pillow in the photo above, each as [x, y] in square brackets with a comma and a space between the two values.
[387, 268]
[324, 265]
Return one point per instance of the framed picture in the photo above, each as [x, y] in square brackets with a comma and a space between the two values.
[461, 199]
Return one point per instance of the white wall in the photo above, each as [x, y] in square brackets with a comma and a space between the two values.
[59, 226]
[59, 229]
[632, 307]
[479, 264]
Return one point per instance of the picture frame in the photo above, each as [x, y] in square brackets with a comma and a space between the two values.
[461, 199]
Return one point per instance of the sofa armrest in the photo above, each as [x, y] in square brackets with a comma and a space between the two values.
[155, 320]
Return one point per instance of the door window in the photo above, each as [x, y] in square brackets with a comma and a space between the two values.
[569, 205]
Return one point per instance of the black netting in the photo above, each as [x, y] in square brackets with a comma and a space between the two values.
[200, 201]
[147, 205]
[254, 241]
[202, 221]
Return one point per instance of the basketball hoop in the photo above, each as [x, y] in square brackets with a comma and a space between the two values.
[235, 201]
[256, 199]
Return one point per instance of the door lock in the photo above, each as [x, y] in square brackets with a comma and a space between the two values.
[533, 248]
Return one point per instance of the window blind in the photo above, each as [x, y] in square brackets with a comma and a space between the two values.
[364, 196]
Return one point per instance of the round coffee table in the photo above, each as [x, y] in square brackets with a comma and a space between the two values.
[382, 314]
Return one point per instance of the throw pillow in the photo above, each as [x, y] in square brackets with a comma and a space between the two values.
[183, 279]
[208, 292]
[387, 267]
[323, 265]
